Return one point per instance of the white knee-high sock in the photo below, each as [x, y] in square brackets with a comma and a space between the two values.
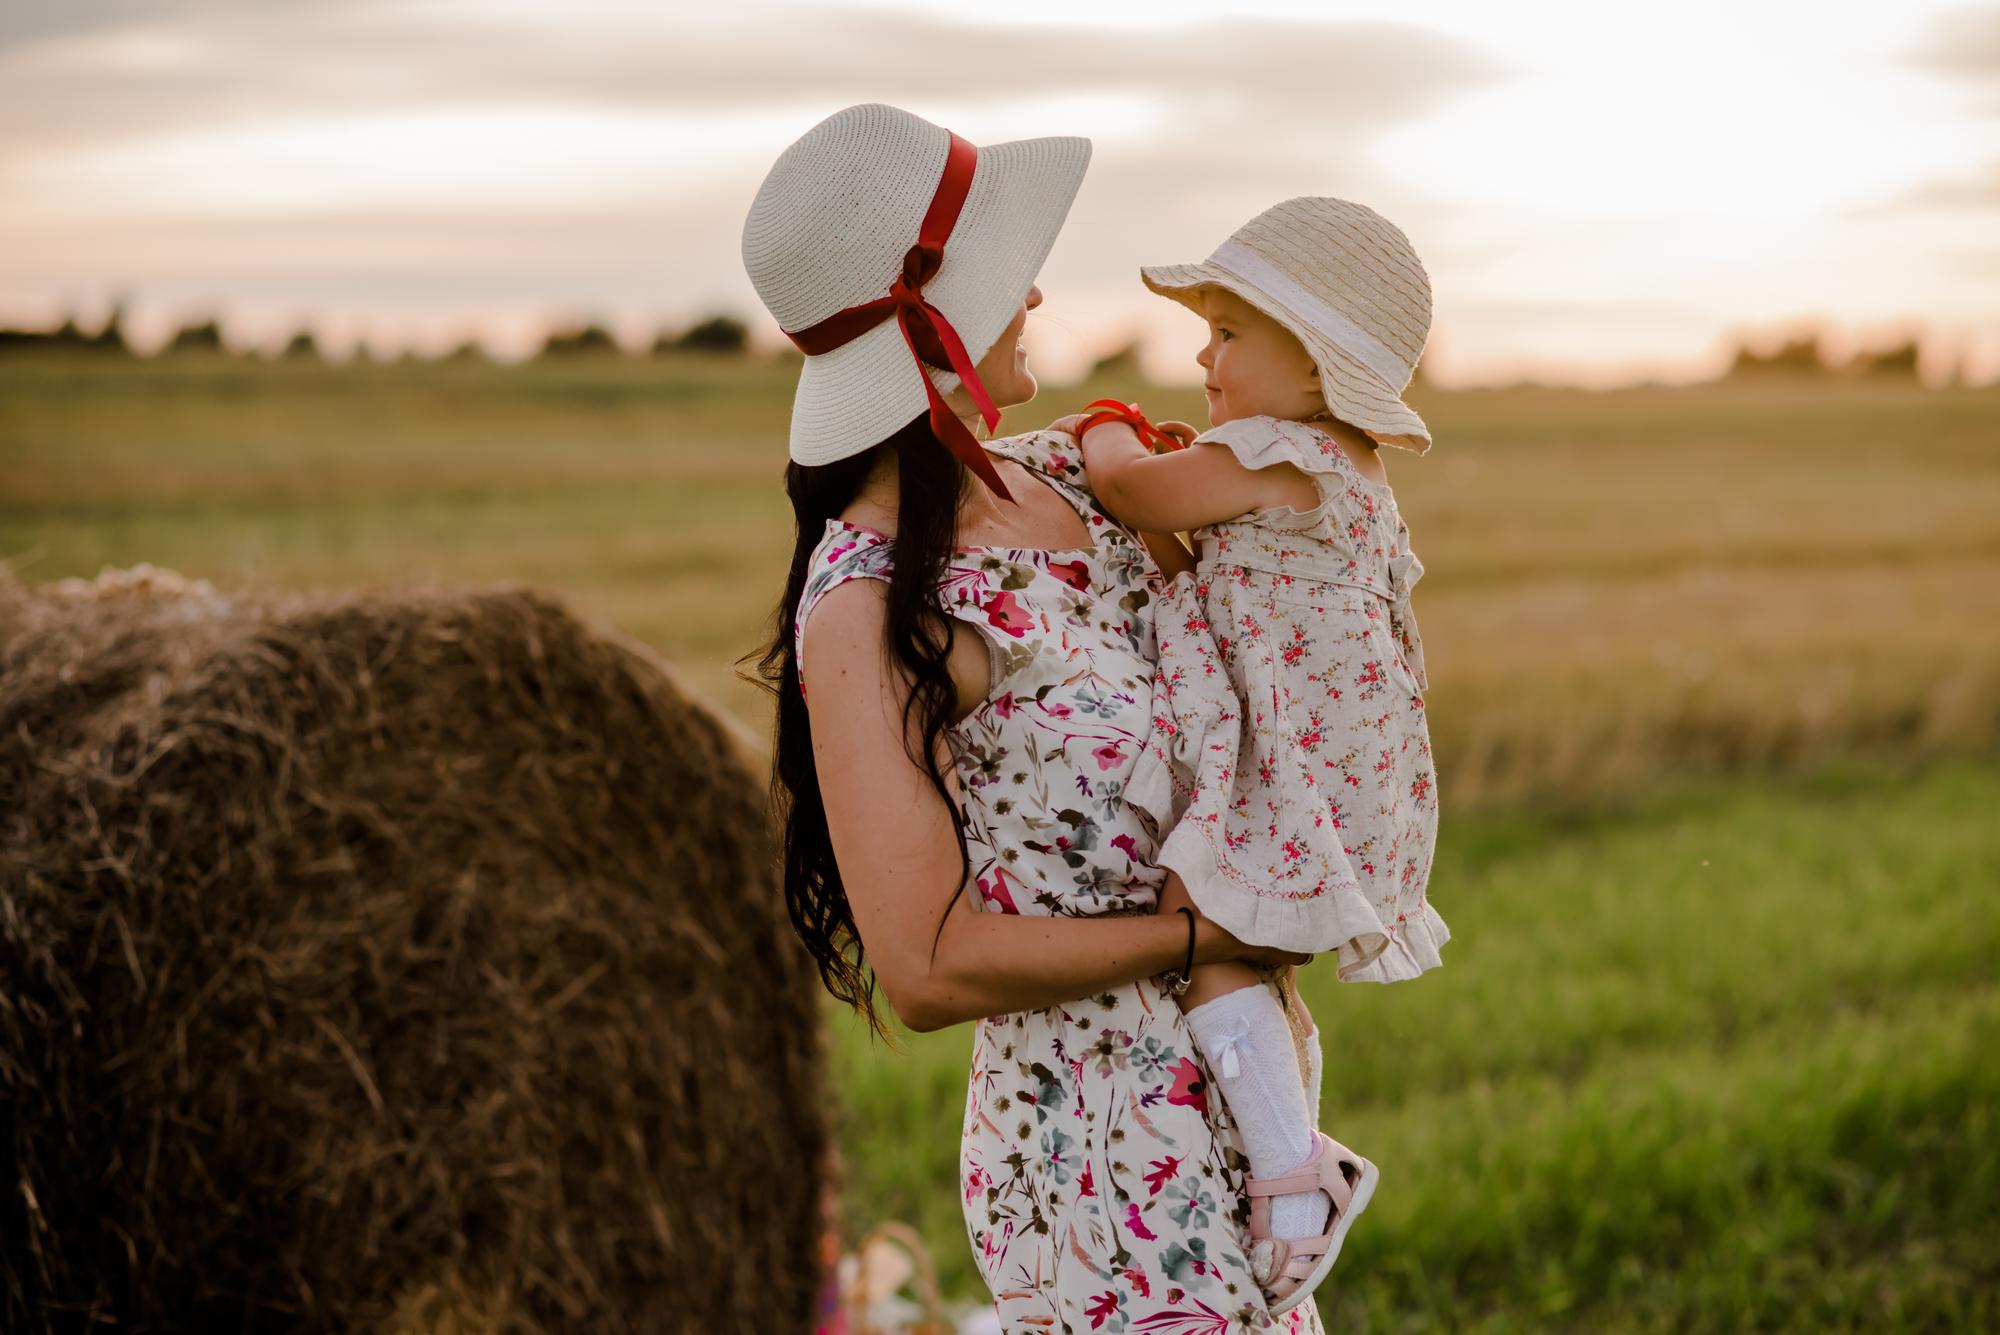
[1248, 1044]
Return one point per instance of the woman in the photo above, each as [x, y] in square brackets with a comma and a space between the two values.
[962, 661]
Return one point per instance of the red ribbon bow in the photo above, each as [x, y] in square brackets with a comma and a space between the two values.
[1105, 410]
[918, 318]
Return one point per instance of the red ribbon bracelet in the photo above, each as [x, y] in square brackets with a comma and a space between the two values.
[1107, 410]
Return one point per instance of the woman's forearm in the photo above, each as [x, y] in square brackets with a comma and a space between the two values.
[993, 963]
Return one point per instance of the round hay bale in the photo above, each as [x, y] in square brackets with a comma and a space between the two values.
[376, 955]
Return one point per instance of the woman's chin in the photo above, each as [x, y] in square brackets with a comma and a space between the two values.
[1022, 388]
[1006, 391]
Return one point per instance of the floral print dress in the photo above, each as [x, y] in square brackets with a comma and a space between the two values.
[1289, 761]
[1101, 1184]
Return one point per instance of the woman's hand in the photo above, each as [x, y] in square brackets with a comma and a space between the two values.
[1227, 947]
[1212, 944]
[1067, 425]
[1180, 431]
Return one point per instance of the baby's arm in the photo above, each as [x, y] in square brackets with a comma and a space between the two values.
[1202, 484]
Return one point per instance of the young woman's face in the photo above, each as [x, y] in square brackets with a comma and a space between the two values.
[1255, 365]
[1004, 369]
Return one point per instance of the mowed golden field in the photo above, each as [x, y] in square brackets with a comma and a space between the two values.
[1716, 698]
[1621, 586]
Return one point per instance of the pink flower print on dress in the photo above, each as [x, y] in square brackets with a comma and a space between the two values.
[995, 891]
[1109, 756]
[1073, 573]
[1263, 756]
[1005, 611]
[1189, 1086]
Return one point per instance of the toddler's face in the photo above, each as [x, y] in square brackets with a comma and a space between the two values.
[1255, 366]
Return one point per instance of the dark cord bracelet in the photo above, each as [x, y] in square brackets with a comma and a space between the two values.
[1178, 985]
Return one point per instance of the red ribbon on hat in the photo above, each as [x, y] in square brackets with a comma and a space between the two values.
[914, 315]
[1107, 410]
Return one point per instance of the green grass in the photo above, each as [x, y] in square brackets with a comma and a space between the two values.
[1724, 1060]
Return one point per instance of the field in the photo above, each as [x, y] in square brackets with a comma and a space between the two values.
[1716, 693]
[1621, 586]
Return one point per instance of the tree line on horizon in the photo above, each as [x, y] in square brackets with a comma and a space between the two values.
[725, 335]
[722, 335]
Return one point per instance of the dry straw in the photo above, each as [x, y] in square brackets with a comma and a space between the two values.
[386, 962]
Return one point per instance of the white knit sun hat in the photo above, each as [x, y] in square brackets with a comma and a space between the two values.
[1347, 283]
[829, 230]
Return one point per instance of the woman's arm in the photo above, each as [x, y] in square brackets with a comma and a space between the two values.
[1185, 489]
[897, 849]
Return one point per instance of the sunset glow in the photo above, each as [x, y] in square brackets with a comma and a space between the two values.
[1598, 195]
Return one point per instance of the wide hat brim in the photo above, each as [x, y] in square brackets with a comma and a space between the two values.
[861, 393]
[1354, 393]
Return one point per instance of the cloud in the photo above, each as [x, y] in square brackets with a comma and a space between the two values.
[1964, 46]
[206, 64]
[1975, 263]
[1977, 192]
[397, 154]
[26, 24]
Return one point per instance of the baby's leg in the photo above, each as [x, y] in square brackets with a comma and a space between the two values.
[1244, 1035]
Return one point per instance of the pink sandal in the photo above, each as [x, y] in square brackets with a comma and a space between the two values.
[1291, 1268]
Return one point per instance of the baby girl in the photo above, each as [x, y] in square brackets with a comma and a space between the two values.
[1289, 767]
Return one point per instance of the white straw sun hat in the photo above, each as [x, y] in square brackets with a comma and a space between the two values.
[1347, 283]
[835, 225]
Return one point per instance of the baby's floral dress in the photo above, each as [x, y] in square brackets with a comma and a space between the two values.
[1101, 1183]
[1288, 764]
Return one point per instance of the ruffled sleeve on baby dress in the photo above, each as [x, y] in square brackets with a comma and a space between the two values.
[1262, 441]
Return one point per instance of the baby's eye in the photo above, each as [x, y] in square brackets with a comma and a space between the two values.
[1223, 334]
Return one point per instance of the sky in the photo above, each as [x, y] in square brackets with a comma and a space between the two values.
[1600, 193]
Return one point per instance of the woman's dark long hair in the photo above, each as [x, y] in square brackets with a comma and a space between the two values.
[930, 483]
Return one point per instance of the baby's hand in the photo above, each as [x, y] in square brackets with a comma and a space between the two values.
[1180, 431]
